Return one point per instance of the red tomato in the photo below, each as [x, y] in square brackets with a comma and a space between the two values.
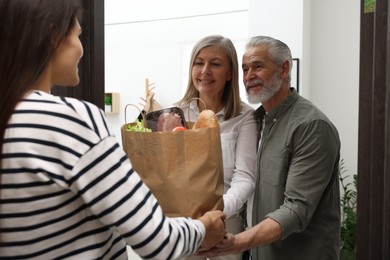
[179, 128]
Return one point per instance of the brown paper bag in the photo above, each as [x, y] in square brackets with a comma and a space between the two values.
[183, 169]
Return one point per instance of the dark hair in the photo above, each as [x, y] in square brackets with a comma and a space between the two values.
[30, 32]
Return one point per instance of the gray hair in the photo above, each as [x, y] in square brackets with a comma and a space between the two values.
[278, 51]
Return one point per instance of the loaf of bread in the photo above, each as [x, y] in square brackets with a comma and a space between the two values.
[206, 118]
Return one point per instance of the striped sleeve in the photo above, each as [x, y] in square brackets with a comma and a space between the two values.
[120, 199]
[68, 190]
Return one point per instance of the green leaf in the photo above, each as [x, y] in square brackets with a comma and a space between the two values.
[138, 126]
[349, 216]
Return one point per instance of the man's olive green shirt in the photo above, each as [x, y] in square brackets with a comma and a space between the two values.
[297, 181]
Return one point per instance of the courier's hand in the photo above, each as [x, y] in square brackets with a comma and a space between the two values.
[215, 228]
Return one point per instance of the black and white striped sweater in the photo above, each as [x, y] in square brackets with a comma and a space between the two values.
[69, 191]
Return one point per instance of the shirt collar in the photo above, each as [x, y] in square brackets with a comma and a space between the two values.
[275, 113]
[194, 107]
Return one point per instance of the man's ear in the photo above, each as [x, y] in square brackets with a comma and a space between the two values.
[285, 69]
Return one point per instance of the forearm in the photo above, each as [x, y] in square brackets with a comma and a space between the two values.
[235, 197]
[242, 179]
[266, 232]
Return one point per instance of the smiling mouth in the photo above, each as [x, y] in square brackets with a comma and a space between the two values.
[206, 82]
[255, 88]
[254, 84]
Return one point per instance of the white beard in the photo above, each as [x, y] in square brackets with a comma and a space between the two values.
[268, 90]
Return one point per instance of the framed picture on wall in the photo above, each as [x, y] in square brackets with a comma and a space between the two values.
[295, 74]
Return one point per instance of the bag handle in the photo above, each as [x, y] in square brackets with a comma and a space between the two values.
[204, 104]
[140, 111]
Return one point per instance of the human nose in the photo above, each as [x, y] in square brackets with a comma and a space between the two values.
[205, 70]
[248, 75]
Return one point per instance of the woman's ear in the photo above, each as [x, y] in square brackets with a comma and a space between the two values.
[230, 75]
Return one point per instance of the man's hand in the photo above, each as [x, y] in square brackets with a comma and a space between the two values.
[265, 232]
[225, 247]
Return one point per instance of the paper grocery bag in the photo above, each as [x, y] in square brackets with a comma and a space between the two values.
[183, 169]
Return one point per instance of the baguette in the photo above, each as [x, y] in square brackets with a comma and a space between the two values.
[206, 118]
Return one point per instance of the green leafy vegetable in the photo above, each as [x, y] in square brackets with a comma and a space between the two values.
[138, 126]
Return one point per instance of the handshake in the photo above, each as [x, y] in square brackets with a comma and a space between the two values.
[217, 241]
[215, 229]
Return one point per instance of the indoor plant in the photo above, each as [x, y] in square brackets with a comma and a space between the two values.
[348, 214]
[107, 103]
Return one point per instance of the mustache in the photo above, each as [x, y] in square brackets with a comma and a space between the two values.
[254, 82]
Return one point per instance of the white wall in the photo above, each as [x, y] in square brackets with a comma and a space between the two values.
[143, 41]
[283, 20]
[324, 35]
[334, 60]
